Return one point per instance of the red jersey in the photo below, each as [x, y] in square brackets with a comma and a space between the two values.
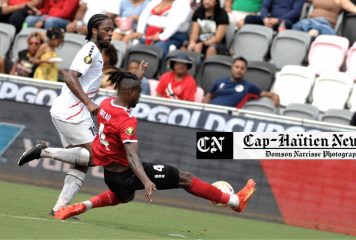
[170, 88]
[116, 127]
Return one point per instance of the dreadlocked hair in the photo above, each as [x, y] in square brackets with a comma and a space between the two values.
[116, 76]
[94, 22]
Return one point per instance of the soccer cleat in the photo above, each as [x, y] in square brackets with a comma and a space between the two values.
[245, 195]
[70, 211]
[33, 153]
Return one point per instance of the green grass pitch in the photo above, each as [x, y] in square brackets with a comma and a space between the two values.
[24, 209]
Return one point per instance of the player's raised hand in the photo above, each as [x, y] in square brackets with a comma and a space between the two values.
[93, 108]
[149, 188]
[142, 69]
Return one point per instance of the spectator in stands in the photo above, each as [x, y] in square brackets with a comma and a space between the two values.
[239, 9]
[178, 83]
[323, 18]
[164, 23]
[23, 66]
[110, 57]
[133, 67]
[46, 56]
[234, 91]
[210, 23]
[15, 11]
[2, 65]
[54, 14]
[126, 18]
[277, 13]
[86, 9]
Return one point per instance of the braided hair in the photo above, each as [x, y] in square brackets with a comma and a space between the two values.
[116, 77]
[94, 22]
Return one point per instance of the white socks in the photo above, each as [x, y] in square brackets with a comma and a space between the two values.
[72, 184]
[88, 204]
[233, 201]
[77, 156]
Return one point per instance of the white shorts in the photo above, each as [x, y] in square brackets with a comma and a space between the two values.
[75, 133]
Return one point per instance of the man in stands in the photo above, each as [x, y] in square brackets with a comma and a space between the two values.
[234, 91]
[323, 18]
[178, 83]
[277, 12]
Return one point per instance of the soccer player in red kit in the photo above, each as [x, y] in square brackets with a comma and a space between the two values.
[116, 149]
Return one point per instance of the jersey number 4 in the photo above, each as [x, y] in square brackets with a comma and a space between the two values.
[158, 168]
[102, 137]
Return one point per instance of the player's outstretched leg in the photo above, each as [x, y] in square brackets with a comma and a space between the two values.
[77, 155]
[32, 153]
[199, 188]
[104, 199]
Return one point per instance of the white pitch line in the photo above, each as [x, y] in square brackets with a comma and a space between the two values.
[40, 219]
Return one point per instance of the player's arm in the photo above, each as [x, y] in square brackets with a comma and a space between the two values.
[271, 95]
[73, 83]
[136, 166]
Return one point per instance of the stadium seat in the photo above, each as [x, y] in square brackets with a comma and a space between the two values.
[72, 43]
[199, 95]
[295, 43]
[120, 50]
[20, 42]
[293, 84]
[351, 61]
[331, 91]
[151, 54]
[261, 74]
[230, 35]
[263, 104]
[327, 53]
[301, 110]
[212, 69]
[153, 83]
[338, 116]
[348, 27]
[7, 34]
[351, 103]
[252, 42]
[195, 57]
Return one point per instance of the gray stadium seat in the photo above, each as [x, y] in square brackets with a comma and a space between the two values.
[263, 104]
[261, 74]
[289, 47]
[252, 42]
[121, 51]
[72, 44]
[151, 54]
[338, 116]
[20, 42]
[212, 69]
[7, 34]
[348, 27]
[300, 110]
[195, 57]
[230, 35]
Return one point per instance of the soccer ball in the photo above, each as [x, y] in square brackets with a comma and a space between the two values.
[224, 187]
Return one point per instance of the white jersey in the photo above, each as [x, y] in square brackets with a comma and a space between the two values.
[89, 62]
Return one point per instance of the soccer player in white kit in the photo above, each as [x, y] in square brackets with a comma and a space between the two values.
[71, 111]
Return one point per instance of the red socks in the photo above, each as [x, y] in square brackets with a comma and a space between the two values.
[107, 198]
[205, 190]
